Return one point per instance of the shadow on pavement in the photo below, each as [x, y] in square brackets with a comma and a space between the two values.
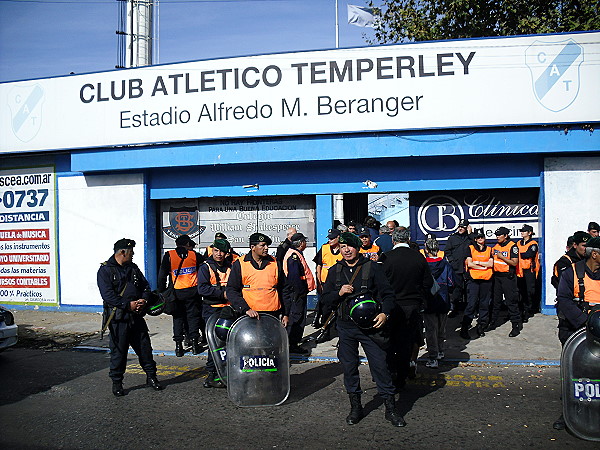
[312, 380]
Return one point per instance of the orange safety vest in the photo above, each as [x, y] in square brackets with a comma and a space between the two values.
[328, 259]
[308, 276]
[499, 265]
[527, 263]
[591, 293]
[370, 253]
[478, 256]
[259, 287]
[223, 277]
[188, 274]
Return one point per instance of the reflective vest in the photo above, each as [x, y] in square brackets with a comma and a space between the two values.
[371, 253]
[478, 256]
[591, 288]
[221, 282]
[188, 274]
[308, 276]
[328, 259]
[499, 265]
[259, 287]
[527, 263]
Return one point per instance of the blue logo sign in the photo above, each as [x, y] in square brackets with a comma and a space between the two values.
[554, 68]
[183, 221]
[586, 389]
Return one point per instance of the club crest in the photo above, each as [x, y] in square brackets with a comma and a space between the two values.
[554, 68]
[183, 221]
[25, 103]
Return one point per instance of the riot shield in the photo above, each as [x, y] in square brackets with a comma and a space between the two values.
[580, 375]
[258, 362]
[217, 347]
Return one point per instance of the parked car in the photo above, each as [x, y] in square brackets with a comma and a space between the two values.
[8, 329]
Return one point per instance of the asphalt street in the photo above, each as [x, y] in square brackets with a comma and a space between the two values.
[62, 399]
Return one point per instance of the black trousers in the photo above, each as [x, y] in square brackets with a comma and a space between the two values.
[458, 292]
[123, 334]
[187, 309]
[526, 285]
[350, 336]
[507, 287]
[479, 294]
[405, 321]
[208, 311]
[297, 320]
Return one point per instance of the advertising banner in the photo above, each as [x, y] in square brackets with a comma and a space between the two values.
[237, 218]
[28, 267]
[439, 213]
[519, 80]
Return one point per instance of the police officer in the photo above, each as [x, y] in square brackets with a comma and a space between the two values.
[325, 258]
[456, 251]
[180, 267]
[506, 258]
[351, 275]
[255, 283]
[368, 249]
[594, 229]
[574, 254]
[527, 271]
[212, 280]
[578, 290]
[479, 285]
[299, 282]
[125, 291]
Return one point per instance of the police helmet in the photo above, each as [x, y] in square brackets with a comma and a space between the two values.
[222, 327]
[363, 309]
[156, 304]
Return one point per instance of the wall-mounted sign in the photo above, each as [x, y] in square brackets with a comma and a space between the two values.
[445, 84]
[28, 269]
[439, 213]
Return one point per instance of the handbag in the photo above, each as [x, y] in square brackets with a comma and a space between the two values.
[169, 295]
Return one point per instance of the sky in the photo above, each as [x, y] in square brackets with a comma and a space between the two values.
[46, 38]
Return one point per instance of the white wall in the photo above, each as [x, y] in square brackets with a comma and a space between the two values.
[93, 213]
[571, 188]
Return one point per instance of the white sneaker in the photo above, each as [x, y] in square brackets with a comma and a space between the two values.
[432, 363]
[440, 355]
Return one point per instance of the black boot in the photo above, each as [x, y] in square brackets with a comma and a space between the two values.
[213, 381]
[516, 330]
[117, 389]
[179, 352]
[356, 410]
[196, 349]
[480, 330]
[152, 381]
[560, 423]
[464, 329]
[391, 414]
[491, 326]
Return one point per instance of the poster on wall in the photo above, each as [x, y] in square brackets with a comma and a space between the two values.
[237, 218]
[28, 259]
[440, 212]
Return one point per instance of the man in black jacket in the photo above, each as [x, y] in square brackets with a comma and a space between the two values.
[456, 252]
[574, 254]
[411, 279]
[352, 275]
[125, 291]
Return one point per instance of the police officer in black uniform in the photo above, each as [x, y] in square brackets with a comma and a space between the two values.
[125, 291]
[345, 278]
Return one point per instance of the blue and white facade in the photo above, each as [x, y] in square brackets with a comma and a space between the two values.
[500, 131]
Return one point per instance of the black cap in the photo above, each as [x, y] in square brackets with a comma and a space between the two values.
[333, 233]
[222, 244]
[184, 239]
[350, 239]
[463, 223]
[593, 226]
[298, 237]
[502, 230]
[256, 238]
[570, 241]
[478, 232]
[580, 236]
[593, 242]
[527, 228]
[363, 231]
[220, 235]
[123, 244]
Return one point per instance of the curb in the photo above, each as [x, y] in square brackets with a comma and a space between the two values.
[294, 358]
